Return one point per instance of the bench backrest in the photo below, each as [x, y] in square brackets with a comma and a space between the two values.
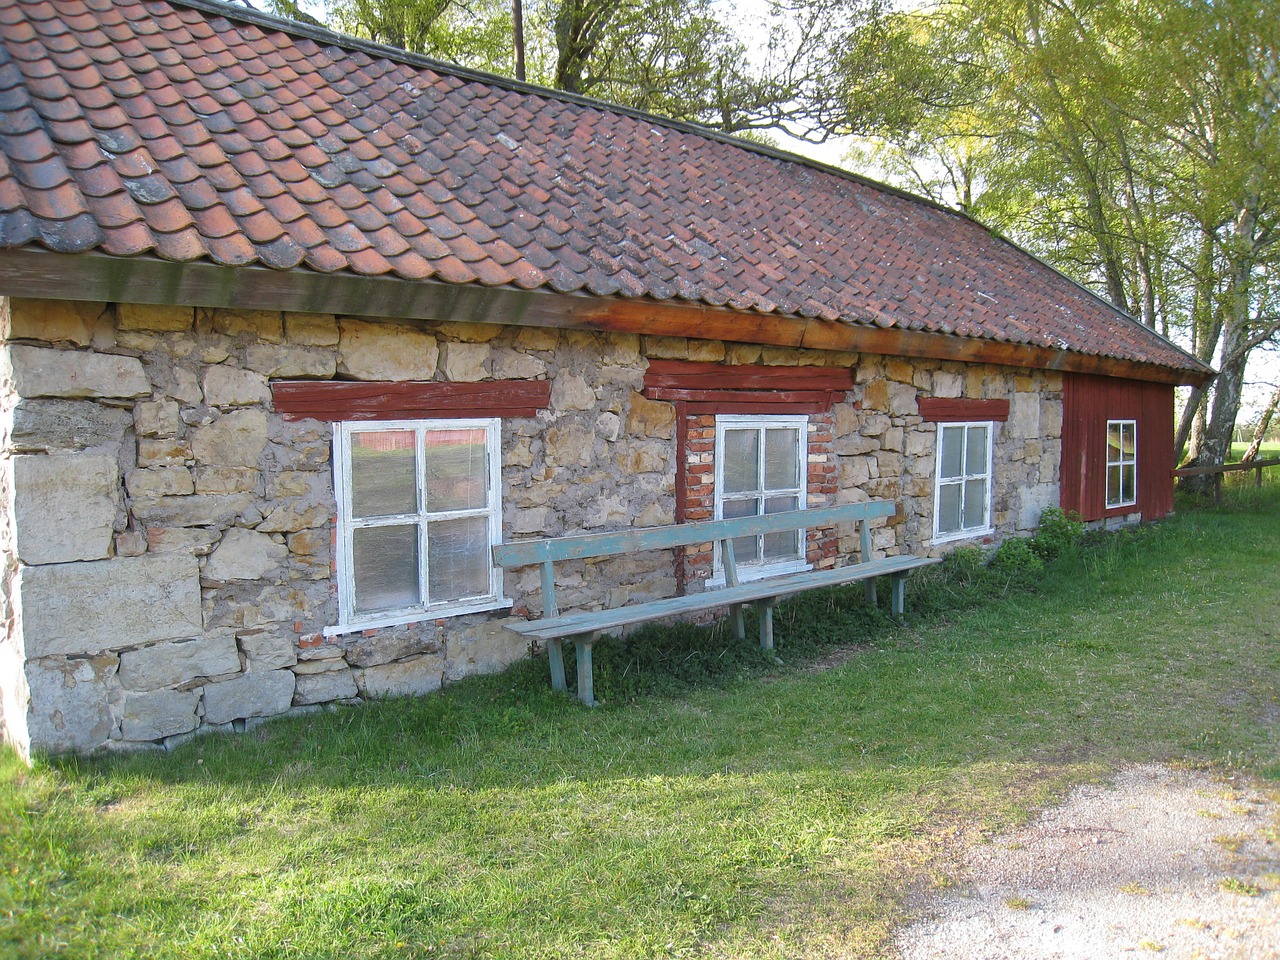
[521, 553]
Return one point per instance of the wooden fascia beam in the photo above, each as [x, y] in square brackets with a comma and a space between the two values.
[39, 274]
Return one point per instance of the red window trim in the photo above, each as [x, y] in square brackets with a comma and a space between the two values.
[962, 409]
[336, 400]
[708, 388]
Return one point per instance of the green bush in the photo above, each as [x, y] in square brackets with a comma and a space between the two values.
[1058, 531]
[1018, 556]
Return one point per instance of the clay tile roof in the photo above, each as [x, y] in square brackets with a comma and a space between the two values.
[194, 131]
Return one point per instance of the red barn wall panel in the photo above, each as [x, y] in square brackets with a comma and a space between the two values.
[1088, 402]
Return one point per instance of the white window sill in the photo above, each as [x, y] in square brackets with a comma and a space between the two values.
[420, 616]
[964, 535]
[758, 572]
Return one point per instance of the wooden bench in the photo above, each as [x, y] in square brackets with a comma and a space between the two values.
[585, 627]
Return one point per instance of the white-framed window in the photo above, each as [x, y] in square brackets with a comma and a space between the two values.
[1122, 463]
[962, 494]
[762, 467]
[419, 506]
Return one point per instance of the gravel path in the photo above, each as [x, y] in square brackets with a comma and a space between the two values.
[1160, 862]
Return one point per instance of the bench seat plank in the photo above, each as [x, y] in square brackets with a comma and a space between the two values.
[591, 621]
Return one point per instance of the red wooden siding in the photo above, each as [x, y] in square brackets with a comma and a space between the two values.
[349, 400]
[1088, 402]
[961, 410]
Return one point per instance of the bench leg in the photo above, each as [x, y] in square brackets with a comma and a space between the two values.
[899, 594]
[765, 609]
[869, 590]
[739, 625]
[555, 656]
[586, 684]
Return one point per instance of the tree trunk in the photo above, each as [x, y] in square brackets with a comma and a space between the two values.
[1263, 425]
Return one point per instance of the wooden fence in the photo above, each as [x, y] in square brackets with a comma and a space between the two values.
[1255, 465]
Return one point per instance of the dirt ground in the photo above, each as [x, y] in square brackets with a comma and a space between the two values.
[1160, 862]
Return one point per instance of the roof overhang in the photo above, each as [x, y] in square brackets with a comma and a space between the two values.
[39, 274]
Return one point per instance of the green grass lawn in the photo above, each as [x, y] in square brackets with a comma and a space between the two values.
[717, 806]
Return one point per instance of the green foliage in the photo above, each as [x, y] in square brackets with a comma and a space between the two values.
[1018, 557]
[1058, 532]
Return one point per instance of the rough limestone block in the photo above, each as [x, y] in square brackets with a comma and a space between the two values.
[41, 372]
[311, 329]
[1024, 416]
[197, 542]
[171, 663]
[143, 316]
[570, 445]
[267, 650]
[44, 425]
[69, 710]
[402, 678]
[235, 439]
[464, 362]
[245, 555]
[337, 684]
[271, 360]
[52, 321]
[571, 392]
[513, 365]
[171, 481]
[384, 351]
[157, 418]
[64, 507]
[95, 606]
[192, 511]
[163, 453]
[385, 646]
[232, 387]
[249, 695]
[650, 418]
[492, 648]
[159, 714]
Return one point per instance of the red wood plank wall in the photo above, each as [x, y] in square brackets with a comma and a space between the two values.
[1088, 402]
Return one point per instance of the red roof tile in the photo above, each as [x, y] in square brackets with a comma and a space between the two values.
[201, 132]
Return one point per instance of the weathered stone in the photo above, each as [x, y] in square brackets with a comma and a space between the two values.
[570, 445]
[854, 471]
[530, 520]
[272, 360]
[310, 543]
[464, 362]
[240, 604]
[226, 479]
[161, 318]
[920, 443]
[1051, 419]
[267, 649]
[64, 507]
[514, 365]
[42, 372]
[293, 483]
[571, 392]
[323, 687]
[156, 418]
[650, 418]
[706, 351]
[265, 325]
[471, 332]
[322, 651]
[101, 604]
[235, 439]
[249, 695]
[537, 338]
[159, 482]
[196, 542]
[1024, 416]
[53, 321]
[226, 386]
[163, 453]
[385, 646]
[131, 543]
[292, 517]
[213, 510]
[170, 663]
[159, 714]
[902, 400]
[311, 329]
[666, 348]
[244, 555]
[609, 427]
[384, 351]
[415, 676]
[43, 425]
[948, 384]
[491, 648]
[69, 711]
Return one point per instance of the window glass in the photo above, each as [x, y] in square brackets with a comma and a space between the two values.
[1122, 463]
[962, 494]
[418, 510]
[383, 473]
[781, 466]
[741, 460]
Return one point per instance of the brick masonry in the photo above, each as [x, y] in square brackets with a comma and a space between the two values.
[186, 580]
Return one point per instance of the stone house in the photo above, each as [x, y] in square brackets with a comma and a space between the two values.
[295, 327]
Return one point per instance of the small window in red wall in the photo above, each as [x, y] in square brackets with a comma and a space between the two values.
[1122, 463]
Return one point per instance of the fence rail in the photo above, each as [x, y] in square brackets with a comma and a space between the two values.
[1218, 471]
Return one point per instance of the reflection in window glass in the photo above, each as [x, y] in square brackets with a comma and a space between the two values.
[760, 469]
[962, 500]
[1122, 463]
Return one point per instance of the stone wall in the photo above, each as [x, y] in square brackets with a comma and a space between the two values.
[168, 539]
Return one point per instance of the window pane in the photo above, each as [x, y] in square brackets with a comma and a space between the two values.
[975, 455]
[1113, 442]
[781, 459]
[457, 470]
[740, 508]
[784, 545]
[741, 460]
[1129, 482]
[952, 451]
[386, 567]
[1129, 438]
[948, 508]
[383, 474]
[458, 558]
[975, 503]
[1114, 495]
